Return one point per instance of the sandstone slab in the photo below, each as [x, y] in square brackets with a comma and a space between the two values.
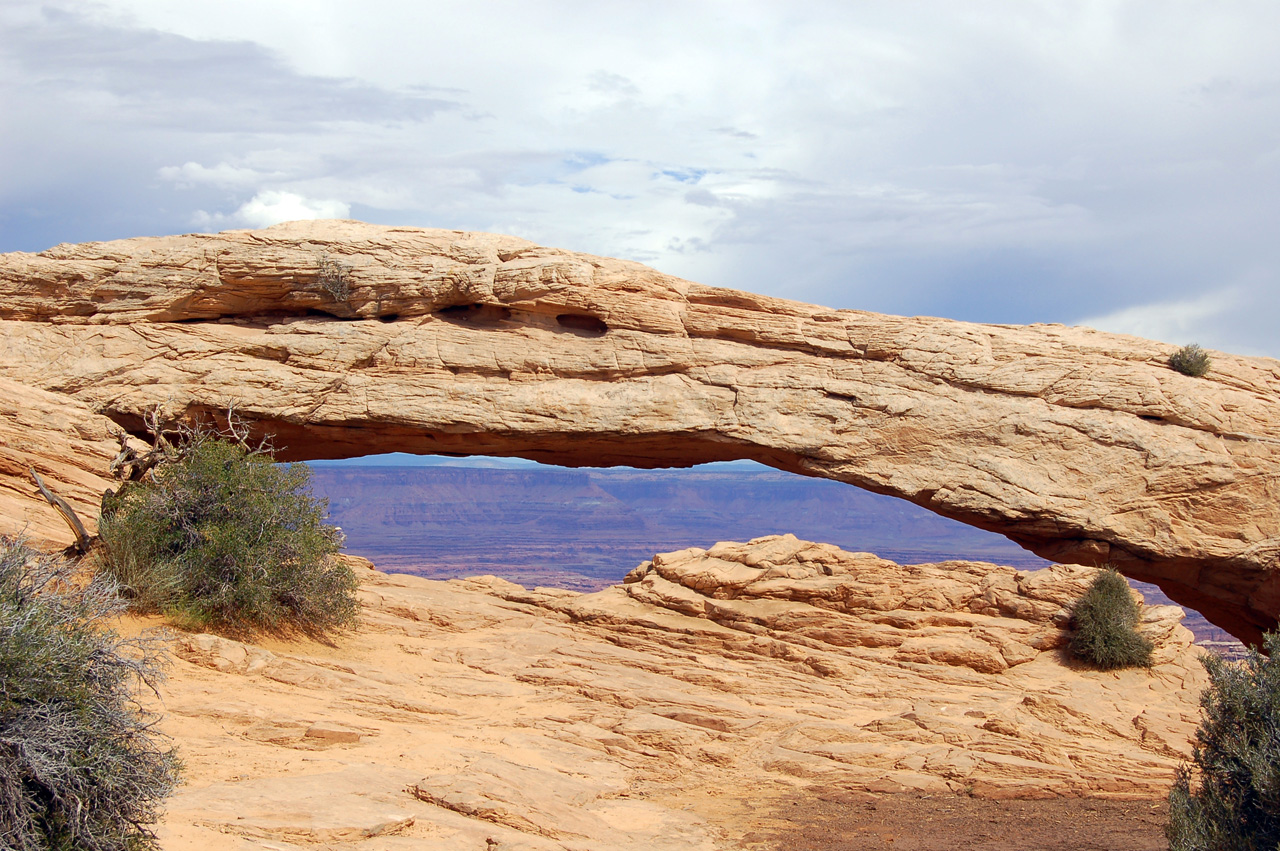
[494, 716]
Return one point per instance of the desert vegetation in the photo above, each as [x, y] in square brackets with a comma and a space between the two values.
[333, 278]
[81, 765]
[217, 535]
[1231, 800]
[1105, 620]
[1191, 360]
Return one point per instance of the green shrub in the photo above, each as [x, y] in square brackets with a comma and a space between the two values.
[81, 765]
[222, 537]
[1106, 625]
[1190, 360]
[1237, 760]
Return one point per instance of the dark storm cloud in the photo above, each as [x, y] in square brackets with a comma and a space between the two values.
[106, 121]
[165, 80]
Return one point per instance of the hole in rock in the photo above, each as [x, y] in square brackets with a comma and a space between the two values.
[590, 326]
[475, 314]
[324, 314]
[584, 528]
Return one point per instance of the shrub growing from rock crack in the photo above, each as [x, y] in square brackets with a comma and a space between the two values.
[222, 537]
[1236, 804]
[333, 278]
[1106, 625]
[81, 765]
[1190, 360]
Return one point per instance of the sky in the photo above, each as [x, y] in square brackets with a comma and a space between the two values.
[1112, 164]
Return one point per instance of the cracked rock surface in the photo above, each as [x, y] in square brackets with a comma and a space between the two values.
[346, 339]
[476, 714]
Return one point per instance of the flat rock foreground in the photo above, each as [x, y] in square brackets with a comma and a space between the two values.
[344, 339]
[675, 711]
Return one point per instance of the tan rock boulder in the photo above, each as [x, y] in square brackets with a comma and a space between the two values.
[986, 617]
[346, 339]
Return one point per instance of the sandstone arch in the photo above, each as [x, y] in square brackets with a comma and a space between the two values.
[1080, 446]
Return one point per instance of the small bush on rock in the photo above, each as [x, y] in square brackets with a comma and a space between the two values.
[1106, 625]
[1236, 806]
[333, 278]
[81, 765]
[1190, 360]
[223, 537]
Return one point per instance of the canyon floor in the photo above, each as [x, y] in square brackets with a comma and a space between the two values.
[777, 694]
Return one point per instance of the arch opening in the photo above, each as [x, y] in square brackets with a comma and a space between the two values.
[583, 528]
[651, 449]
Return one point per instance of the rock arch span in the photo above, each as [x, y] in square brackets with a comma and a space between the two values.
[347, 339]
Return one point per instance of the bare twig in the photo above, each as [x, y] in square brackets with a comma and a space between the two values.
[239, 430]
[174, 443]
[131, 465]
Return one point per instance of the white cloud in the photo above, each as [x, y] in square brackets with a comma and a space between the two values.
[272, 207]
[222, 175]
[1182, 321]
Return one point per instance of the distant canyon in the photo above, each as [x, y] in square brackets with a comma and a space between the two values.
[582, 529]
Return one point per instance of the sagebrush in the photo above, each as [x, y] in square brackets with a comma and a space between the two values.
[223, 537]
[1105, 621]
[1191, 360]
[81, 764]
[333, 278]
[1235, 802]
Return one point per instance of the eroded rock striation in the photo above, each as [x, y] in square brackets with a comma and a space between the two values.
[973, 614]
[69, 445]
[347, 339]
[684, 710]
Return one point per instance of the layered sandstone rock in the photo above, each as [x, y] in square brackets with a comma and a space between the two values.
[684, 710]
[346, 339]
[68, 445]
[976, 615]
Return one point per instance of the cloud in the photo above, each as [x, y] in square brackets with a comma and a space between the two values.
[273, 207]
[223, 174]
[112, 73]
[1027, 162]
[612, 85]
[1172, 321]
[736, 133]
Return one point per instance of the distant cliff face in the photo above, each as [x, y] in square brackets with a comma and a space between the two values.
[584, 529]
[346, 339]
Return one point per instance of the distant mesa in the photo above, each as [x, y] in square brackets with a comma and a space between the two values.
[584, 528]
[1080, 446]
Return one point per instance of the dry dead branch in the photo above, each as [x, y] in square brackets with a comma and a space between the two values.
[64, 508]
